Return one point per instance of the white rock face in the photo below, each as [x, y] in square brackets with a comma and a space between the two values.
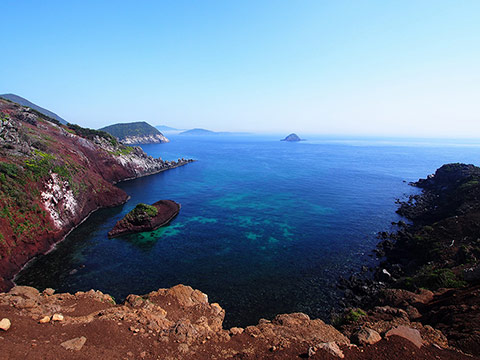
[59, 200]
[150, 139]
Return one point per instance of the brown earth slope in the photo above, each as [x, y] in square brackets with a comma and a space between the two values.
[180, 323]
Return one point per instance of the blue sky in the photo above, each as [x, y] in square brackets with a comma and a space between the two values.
[406, 68]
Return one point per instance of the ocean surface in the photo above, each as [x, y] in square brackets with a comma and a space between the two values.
[266, 227]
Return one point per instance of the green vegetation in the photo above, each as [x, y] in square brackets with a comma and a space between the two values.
[40, 165]
[122, 150]
[147, 209]
[140, 212]
[140, 128]
[432, 279]
[354, 315]
[4, 117]
[8, 169]
[18, 207]
[469, 184]
[351, 316]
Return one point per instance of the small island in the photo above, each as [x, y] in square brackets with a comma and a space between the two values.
[292, 137]
[146, 218]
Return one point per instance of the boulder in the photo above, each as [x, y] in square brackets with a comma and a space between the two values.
[412, 335]
[366, 336]
[74, 344]
[332, 348]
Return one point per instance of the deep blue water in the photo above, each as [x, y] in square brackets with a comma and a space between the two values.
[266, 227]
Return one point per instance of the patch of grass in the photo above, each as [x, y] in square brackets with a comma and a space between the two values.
[140, 212]
[9, 169]
[351, 316]
[125, 150]
[354, 315]
[432, 279]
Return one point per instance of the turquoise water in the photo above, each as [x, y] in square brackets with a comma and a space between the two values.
[266, 227]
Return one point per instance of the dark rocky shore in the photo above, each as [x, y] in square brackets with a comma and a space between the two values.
[146, 218]
[429, 270]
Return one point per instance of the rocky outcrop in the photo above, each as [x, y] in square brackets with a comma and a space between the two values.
[147, 139]
[52, 177]
[180, 323]
[429, 267]
[146, 218]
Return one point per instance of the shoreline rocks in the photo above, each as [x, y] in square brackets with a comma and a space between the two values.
[427, 269]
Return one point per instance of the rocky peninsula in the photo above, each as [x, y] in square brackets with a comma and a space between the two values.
[52, 177]
[146, 218]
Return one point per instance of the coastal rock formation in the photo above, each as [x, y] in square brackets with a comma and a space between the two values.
[136, 133]
[176, 323]
[146, 218]
[52, 177]
[292, 137]
[429, 266]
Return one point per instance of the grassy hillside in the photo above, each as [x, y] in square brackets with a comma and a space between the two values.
[140, 128]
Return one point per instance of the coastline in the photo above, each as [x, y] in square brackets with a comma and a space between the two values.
[56, 242]
[429, 270]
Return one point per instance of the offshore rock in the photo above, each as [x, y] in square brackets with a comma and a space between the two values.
[292, 137]
[146, 218]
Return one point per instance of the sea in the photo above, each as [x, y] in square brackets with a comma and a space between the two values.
[265, 227]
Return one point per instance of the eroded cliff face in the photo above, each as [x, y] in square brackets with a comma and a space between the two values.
[148, 139]
[52, 177]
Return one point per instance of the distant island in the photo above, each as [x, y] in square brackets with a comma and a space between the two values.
[24, 102]
[198, 131]
[136, 133]
[292, 137]
[166, 128]
[202, 132]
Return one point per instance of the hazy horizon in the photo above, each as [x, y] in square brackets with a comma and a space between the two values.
[401, 69]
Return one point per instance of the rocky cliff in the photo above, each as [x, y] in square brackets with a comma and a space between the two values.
[52, 177]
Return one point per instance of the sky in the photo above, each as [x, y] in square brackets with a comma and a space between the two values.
[380, 68]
